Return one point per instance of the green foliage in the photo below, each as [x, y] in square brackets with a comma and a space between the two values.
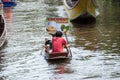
[63, 27]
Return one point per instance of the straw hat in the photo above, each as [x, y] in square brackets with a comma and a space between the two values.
[51, 27]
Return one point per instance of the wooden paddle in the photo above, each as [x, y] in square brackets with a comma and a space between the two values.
[42, 51]
[68, 43]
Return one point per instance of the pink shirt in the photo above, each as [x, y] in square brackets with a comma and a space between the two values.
[57, 44]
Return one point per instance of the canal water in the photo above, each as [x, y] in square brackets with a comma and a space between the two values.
[95, 48]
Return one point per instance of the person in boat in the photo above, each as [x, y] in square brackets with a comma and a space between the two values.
[51, 28]
[56, 32]
[57, 44]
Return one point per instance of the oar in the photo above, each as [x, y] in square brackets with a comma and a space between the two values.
[42, 51]
[68, 42]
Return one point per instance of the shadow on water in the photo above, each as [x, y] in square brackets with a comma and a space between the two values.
[79, 25]
[83, 21]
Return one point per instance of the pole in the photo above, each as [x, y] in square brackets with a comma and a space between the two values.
[42, 51]
[68, 42]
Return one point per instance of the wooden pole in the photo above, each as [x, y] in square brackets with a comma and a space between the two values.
[68, 42]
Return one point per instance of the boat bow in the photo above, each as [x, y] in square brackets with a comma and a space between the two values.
[80, 8]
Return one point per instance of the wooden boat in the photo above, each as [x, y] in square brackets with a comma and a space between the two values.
[57, 55]
[3, 31]
[49, 55]
[9, 3]
[80, 9]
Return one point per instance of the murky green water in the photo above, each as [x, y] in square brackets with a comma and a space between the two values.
[95, 48]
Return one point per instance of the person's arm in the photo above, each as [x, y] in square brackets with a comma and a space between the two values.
[67, 47]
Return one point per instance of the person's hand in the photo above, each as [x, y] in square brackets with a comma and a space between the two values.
[68, 46]
[64, 31]
[43, 46]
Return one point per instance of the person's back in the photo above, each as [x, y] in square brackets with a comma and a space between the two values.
[58, 42]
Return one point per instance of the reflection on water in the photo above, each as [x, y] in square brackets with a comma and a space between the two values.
[86, 37]
[105, 34]
[8, 14]
[95, 48]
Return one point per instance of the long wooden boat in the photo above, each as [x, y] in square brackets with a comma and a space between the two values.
[57, 55]
[3, 31]
[9, 3]
[80, 9]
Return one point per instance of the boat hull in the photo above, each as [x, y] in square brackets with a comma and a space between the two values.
[9, 3]
[3, 30]
[57, 55]
[81, 10]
